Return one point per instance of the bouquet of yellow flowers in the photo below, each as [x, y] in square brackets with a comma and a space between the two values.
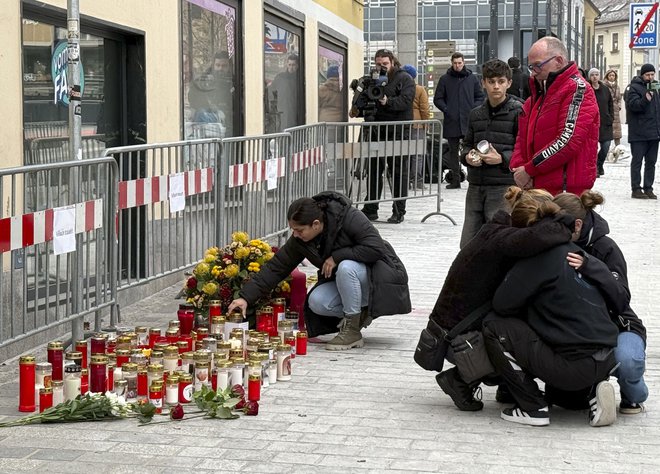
[223, 271]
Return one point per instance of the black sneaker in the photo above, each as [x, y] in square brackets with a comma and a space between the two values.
[395, 219]
[650, 195]
[460, 392]
[453, 186]
[371, 215]
[503, 395]
[639, 194]
[532, 418]
[602, 405]
[629, 408]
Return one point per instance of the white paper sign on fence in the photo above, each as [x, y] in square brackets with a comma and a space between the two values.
[177, 193]
[271, 174]
[64, 229]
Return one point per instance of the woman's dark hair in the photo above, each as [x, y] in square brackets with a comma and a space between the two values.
[579, 206]
[305, 211]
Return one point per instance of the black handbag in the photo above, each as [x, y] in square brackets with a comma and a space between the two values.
[434, 341]
[470, 356]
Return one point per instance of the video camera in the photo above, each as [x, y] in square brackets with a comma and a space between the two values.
[653, 86]
[367, 90]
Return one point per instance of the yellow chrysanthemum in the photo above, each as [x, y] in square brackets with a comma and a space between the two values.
[253, 267]
[241, 237]
[241, 253]
[202, 269]
[285, 286]
[213, 251]
[210, 288]
[231, 270]
[215, 271]
[268, 256]
[209, 258]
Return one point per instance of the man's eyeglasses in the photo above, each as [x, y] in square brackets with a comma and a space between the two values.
[538, 67]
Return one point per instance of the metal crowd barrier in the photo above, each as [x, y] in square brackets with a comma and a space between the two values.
[40, 290]
[307, 170]
[154, 240]
[377, 162]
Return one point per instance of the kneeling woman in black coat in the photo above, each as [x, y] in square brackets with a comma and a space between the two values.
[360, 275]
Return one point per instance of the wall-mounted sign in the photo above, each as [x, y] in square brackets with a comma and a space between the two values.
[58, 69]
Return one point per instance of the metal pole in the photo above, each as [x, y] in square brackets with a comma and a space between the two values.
[535, 20]
[548, 18]
[493, 35]
[516, 29]
[75, 153]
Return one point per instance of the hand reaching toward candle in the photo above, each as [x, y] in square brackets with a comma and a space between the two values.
[238, 303]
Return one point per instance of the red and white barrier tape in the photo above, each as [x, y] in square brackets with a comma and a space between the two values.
[255, 172]
[37, 227]
[306, 158]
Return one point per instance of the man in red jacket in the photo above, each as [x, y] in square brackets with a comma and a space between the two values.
[557, 142]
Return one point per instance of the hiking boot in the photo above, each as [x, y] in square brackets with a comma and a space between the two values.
[503, 395]
[650, 195]
[365, 319]
[349, 336]
[602, 405]
[540, 417]
[371, 212]
[460, 392]
[629, 408]
[639, 194]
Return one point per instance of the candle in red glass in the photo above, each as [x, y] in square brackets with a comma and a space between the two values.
[142, 384]
[111, 377]
[254, 388]
[215, 308]
[269, 313]
[185, 388]
[264, 321]
[98, 374]
[123, 356]
[45, 398]
[81, 346]
[56, 358]
[111, 346]
[172, 335]
[301, 343]
[183, 345]
[189, 340]
[98, 345]
[84, 381]
[186, 316]
[156, 395]
[291, 340]
[27, 379]
[154, 334]
[202, 333]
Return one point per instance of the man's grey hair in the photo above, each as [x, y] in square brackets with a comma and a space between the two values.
[555, 46]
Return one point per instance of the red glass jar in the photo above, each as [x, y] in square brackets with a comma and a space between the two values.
[98, 374]
[264, 321]
[186, 316]
[279, 310]
[301, 343]
[27, 379]
[183, 345]
[45, 398]
[123, 356]
[111, 376]
[56, 358]
[84, 381]
[254, 387]
[111, 346]
[202, 333]
[185, 388]
[81, 346]
[154, 334]
[142, 384]
[291, 340]
[98, 345]
[156, 395]
[172, 335]
[215, 308]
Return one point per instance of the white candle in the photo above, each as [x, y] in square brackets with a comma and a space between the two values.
[118, 374]
[71, 388]
[172, 394]
[222, 379]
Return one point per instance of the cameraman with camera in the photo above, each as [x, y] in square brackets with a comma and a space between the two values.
[387, 95]
[643, 114]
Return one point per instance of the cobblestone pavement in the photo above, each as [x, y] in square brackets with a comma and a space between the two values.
[373, 409]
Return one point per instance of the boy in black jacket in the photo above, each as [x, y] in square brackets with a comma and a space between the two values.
[496, 122]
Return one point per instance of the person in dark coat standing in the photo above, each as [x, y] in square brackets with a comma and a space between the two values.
[457, 93]
[643, 114]
[519, 80]
[606, 111]
[360, 275]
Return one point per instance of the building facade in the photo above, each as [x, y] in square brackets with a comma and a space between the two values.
[164, 70]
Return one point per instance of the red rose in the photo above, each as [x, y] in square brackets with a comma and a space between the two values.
[251, 408]
[176, 413]
[241, 404]
[238, 391]
[192, 283]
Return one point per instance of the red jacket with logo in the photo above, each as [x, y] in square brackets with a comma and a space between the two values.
[558, 133]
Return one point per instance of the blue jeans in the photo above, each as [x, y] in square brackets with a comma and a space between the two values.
[346, 295]
[481, 203]
[630, 354]
[648, 152]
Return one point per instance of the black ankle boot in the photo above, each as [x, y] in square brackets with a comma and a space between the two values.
[460, 392]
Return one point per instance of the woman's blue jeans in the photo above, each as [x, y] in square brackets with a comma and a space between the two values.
[629, 353]
[346, 295]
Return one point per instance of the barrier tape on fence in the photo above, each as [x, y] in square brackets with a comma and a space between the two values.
[139, 192]
[254, 172]
[37, 227]
[306, 158]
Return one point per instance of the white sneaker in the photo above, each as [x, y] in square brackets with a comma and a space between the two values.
[602, 405]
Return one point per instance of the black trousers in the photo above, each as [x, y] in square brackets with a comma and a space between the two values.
[398, 169]
[520, 356]
[453, 162]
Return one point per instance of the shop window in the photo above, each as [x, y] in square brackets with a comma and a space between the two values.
[211, 92]
[332, 91]
[615, 42]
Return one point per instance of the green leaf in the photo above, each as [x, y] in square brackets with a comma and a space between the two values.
[231, 403]
[225, 413]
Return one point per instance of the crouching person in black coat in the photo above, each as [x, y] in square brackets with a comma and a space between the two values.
[360, 275]
[554, 325]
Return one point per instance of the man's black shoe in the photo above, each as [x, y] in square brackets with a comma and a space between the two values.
[453, 186]
[395, 219]
[372, 216]
[461, 393]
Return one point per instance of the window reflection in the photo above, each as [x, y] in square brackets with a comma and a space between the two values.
[283, 93]
[332, 107]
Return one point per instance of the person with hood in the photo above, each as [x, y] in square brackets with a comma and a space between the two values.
[606, 111]
[612, 83]
[643, 114]
[360, 275]
[457, 93]
[421, 111]
[557, 139]
[395, 105]
[602, 261]
[331, 103]
[519, 80]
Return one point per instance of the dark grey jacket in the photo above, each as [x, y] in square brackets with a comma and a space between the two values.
[456, 95]
[500, 128]
[347, 235]
[643, 116]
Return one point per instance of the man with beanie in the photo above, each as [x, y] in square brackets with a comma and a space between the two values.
[457, 93]
[557, 138]
[519, 80]
[606, 111]
[331, 97]
[643, 114]
[420, 112]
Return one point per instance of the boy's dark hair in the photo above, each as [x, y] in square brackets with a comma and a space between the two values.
[496, 68]
[457, 55]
